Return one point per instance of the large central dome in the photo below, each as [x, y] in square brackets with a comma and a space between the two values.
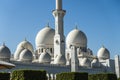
[45, 37]
[77, 38]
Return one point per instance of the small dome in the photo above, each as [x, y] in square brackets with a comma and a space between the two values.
[85, 62]
[44, 58]
[95, 63]
[5, 53]
[45, 37]
[26, 56]
[103, 53]
[25, 44]
[77, 38]
[21, 46]
[17, 53]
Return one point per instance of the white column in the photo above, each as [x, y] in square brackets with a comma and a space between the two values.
[59, 4]
[74, 59]
[117, 66]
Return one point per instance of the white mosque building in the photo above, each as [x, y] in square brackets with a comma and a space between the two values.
[56, 53]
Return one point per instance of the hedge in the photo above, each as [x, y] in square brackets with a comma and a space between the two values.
[4, 76]
[29, 75]
[72, 76]
[118, 79]
[102, 76]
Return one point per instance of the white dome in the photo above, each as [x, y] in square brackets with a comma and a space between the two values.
[21, 46]
[44, 58]
[45, 37]
[77, 38]
[5, 53]
[25, 44]
[103, 53]
[17, 53]
[26, 56]
[95, 63]
[85, 62]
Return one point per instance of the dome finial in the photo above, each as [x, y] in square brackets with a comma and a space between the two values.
[76, 27]
[3, 43]
[103, 46]
[48, 25]
[25, 39]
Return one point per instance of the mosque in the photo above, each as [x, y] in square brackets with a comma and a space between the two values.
[56, 53]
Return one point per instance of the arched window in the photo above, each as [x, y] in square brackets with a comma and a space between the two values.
[38, 50]
[68, 56]
[51, 50]
[42, 50]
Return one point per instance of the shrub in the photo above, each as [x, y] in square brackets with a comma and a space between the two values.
[4, 76]
[72, 76]
[29, 75]
[102, 76]
[118, 79]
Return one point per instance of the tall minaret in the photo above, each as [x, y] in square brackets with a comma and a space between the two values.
[59, 39]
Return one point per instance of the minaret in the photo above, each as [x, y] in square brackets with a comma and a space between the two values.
[59, 39]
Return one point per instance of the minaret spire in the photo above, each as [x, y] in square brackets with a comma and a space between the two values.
[59, 39]
[59, 4]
